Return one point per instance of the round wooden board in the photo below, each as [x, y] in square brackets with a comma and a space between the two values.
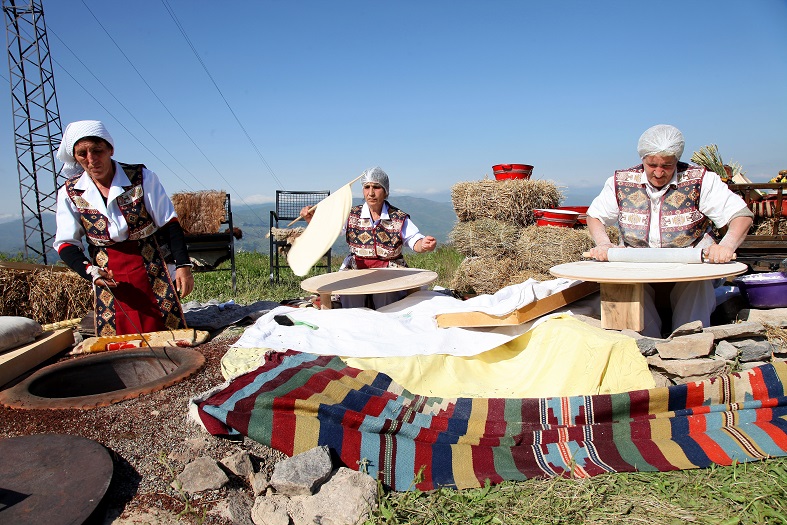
[632, 272]
[371, 281]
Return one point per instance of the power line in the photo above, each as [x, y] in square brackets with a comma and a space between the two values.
[166, 108]
[129, 112]
[194, 50]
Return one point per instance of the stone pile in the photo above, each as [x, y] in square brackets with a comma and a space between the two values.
[303, 490]
[693, 353]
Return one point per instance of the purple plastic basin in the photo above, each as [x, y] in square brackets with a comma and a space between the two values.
[764, 290]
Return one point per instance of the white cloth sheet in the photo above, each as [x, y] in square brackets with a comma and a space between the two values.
[407, 327]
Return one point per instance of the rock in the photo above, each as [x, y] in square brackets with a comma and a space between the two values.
[646, 345]
[752, 364]
[693, 327]
[660, 379]
[687, 370]
[727, 350]
[303, 473]
[270, 510]
[203, 473]
[259, 483]
[347, 498]
[774, 316]
[686, 346]
[733, 330]
[239, 464]
[752, 350]
[235, 507]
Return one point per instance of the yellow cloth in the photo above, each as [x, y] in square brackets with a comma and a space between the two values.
[560, 357]
[238, 361]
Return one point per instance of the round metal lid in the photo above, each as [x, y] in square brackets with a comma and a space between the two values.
[52, 478]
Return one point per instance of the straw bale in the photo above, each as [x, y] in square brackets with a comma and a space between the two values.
[511, 201]
[484, 237]
[524, 275]
[766, 227]
[45, 295]
[287, 235]
[201, 211]
[541, 247]
[484, 274]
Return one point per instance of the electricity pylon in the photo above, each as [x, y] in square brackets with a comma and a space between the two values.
[37, 127]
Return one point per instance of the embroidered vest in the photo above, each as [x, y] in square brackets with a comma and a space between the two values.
[383, 241]
[681, 224]
[131, 203]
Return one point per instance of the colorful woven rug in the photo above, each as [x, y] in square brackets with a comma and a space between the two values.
[297, 401]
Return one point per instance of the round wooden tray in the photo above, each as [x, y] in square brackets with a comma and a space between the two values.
[371, 281]
[630, 272]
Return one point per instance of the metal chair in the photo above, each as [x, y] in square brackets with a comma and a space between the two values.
[221, 245]
[288, 208]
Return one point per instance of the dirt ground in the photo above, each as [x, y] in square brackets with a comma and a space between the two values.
[150, 439]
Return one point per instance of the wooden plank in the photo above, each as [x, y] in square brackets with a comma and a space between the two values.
[622, 306]
[522, 315]
[16, 362]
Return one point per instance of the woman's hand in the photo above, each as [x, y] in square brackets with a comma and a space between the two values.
[426, 244]
[718, 253]
[100, 276]
[307, 213]
[600, 252]
[184, 281]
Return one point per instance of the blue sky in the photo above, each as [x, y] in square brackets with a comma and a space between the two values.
[434, 92]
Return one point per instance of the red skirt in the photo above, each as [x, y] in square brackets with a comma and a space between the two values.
[136, 309]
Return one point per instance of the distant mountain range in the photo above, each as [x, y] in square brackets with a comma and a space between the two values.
[432, 218]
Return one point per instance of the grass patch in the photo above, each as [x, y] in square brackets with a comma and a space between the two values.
[740, 494]
[253, 284]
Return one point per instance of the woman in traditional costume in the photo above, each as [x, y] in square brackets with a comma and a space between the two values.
[665, 203]
[138, 261]
[376, 233]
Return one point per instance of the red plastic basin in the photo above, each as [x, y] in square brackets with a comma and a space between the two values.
[581, 210]
[512, 171]
[556, 217]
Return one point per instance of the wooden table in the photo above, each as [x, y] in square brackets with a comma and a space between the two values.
[370, 281]
[622, 284]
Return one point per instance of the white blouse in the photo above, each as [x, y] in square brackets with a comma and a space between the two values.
[69, 224]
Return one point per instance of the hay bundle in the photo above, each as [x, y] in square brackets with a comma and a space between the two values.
[484, 237]
[201, 211]
[524, 275]
[511, 201]
[766, 227]
[541, 247]
[287, 236]
[45, 295]
[484, 274]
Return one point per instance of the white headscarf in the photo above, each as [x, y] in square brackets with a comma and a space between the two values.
[662, 138]
[73, 134]
[376, 175]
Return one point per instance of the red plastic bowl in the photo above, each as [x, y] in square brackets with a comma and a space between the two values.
[512, 171]
[582, 210]
[552, 217]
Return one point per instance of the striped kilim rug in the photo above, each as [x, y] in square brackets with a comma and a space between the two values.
[297, 401]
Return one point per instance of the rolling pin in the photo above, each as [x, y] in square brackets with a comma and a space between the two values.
[655, 255]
